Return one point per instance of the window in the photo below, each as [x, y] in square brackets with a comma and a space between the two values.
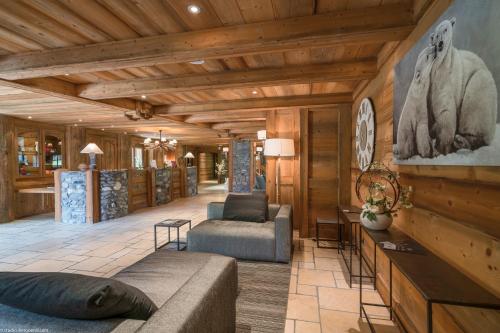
[28, 153]
[137, 159]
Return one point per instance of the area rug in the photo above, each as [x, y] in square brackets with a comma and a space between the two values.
[263, 296]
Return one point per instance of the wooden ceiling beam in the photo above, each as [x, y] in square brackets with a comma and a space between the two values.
[255, 104]
[245, 130]
[210, 118]
[336, 72]
[239, 124]
[67, 91]
[64, 90]
[370, 25]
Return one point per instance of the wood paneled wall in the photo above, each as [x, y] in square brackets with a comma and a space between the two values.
[138, 190]
[456, 211]
[117, 155]
[6, 181]
[206, 166]
[317, 178]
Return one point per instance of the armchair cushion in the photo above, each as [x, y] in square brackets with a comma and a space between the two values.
[248, 208]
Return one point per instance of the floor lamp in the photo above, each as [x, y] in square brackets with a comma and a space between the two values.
[279, 148]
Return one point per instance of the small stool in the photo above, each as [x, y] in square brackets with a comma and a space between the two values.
[322, 221]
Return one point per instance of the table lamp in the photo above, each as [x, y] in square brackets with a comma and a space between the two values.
[189, 156]
[92, 150]
[279, 148]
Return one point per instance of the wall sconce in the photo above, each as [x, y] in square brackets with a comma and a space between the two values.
[92, 149]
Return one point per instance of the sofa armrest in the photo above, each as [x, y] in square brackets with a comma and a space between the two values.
[284, 233]
[215, 210]
[206, 303]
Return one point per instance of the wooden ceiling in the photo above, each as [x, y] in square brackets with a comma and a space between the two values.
[86, 62]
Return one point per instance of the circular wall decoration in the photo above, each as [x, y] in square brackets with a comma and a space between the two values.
[365, 134]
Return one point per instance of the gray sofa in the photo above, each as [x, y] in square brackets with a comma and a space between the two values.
[195, 292]
[268, 241]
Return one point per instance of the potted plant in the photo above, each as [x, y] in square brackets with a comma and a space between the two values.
[382, 195]
[221, 170]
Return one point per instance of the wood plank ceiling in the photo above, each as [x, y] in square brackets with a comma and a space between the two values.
[258, 55]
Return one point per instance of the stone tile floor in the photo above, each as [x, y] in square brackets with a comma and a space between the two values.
[102, 249]
[319, 300]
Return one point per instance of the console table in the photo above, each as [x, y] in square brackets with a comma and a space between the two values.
[435, 279]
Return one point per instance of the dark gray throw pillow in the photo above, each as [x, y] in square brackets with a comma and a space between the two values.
[74, 296]
[245, 207]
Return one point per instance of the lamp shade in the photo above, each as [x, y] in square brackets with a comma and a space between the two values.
[279, 147]
[189, 155]
[91, 148]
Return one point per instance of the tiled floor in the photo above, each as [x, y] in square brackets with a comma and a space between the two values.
[319, 300]
[102, 249]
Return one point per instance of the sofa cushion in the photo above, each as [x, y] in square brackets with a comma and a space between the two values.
[245, 207]
[253, 241]
[73, 296]
[162, 276]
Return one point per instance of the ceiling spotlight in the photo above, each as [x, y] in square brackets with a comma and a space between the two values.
[80, 120]
[255, 92]
[102, 129]
[143, 96]
[112, 125]
[193, 9]
[76, 125]
[125, 133]
[30, 117]
[66, 74]
[136, 131]
[197, 62]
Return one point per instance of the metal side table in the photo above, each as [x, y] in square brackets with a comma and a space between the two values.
[171, 223]
[352, 223]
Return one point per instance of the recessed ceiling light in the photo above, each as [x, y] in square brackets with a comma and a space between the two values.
[102, 129]
[197, 62]
[125, 133]
[112, 125]
[136, 131]
[193, 9]
[76, 125]
[80, 120]
[66, 74]
[255, 92]
[30, 117]
[143, 96]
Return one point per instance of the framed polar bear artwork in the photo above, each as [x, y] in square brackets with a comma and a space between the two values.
[446, 90]
[365, 134]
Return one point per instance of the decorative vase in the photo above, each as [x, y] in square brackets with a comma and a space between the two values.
[381, 222]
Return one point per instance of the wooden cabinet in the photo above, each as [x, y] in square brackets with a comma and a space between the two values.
[39, 151]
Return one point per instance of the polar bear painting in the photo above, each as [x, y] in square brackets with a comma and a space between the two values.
[413, 129]
[449, 111]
